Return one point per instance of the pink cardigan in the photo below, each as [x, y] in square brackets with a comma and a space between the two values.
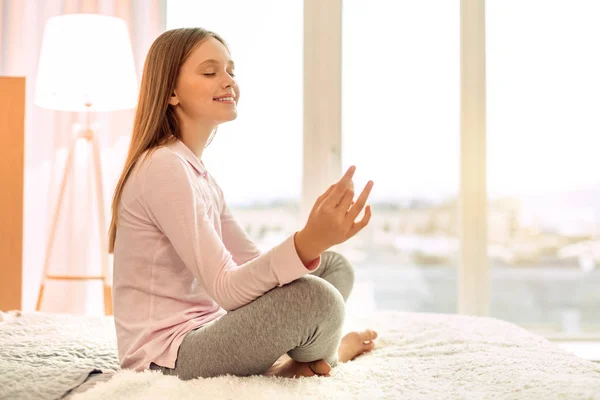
[181, 259]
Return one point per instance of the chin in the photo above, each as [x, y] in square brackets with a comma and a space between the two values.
[230, 117]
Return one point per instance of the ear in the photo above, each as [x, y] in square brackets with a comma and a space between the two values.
[174, 100]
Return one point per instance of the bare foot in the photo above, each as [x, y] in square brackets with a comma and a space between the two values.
[356, 343]
[352, 345]
[289, 368]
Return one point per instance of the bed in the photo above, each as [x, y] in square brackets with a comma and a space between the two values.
[418, 356]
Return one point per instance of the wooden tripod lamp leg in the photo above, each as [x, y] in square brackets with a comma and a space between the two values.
[107, 293]
[108, 309]
[57, 208]
[96, 166]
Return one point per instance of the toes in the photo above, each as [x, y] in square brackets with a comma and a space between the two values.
[320, 367]
[367, 346]
[368, 335]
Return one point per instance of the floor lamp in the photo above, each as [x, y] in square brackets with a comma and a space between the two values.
[86, 64]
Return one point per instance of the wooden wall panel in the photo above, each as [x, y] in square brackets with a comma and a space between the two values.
[12, 158]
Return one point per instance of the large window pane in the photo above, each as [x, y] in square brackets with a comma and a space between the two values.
[401, 72]
[543, 88]
[257, 159]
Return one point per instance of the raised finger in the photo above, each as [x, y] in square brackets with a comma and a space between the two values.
[347, 200]
[360, 202]
[334, 198]
[358, 226]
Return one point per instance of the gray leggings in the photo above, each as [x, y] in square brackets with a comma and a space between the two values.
[303, 319]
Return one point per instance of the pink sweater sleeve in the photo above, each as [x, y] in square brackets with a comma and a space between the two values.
[175, 203]
[236, 240]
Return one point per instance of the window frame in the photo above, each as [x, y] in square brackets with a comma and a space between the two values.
[323, 136]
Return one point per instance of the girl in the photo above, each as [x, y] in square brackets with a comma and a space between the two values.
[193, 297]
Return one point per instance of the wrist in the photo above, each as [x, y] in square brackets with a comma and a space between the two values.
[307, 250]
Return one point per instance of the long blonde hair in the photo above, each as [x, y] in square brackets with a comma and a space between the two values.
[155, 123]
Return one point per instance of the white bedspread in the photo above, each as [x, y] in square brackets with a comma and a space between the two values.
[43, 356]
[418, 356]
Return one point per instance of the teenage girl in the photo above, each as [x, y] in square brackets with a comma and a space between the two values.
[193, 296]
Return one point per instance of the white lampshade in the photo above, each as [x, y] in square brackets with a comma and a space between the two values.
[86, 58]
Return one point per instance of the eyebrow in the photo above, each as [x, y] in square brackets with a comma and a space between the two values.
[211, 61]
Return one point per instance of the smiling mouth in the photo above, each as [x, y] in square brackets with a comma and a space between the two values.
[225, 99]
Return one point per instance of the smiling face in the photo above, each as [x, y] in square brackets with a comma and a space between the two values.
[206, 92]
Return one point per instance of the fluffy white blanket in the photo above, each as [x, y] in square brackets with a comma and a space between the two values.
[418, 356]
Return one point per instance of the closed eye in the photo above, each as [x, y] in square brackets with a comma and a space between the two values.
[212, 74]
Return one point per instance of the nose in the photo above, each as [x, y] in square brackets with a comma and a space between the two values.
[229, 82]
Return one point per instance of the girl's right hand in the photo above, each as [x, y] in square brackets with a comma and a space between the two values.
[332, 218]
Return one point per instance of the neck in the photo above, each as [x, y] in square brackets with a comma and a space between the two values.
[195, 135]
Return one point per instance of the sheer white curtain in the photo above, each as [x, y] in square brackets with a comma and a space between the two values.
[46, 138]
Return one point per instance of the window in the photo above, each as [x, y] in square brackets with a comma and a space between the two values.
[257, 159]
[400, 127]
[400, 101]
[543, 90]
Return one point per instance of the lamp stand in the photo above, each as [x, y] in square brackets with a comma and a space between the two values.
[86, 134]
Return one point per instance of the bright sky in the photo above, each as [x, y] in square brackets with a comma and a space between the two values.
[401, 70]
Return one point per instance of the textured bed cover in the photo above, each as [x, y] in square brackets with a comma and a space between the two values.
[418, 356]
